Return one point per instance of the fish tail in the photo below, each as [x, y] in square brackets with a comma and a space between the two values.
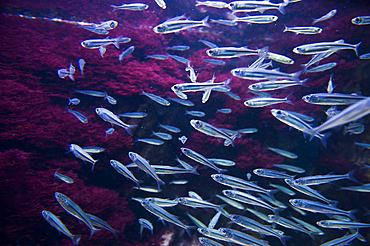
[295, 76]
[312, 235]
[286, 28]
[263, 52]
[277, 210]
[314, 21]
[226, 84]
[351, 214]
[131, 129]
[305, 66]
[93, 230]
[283, 239]
[287, 100]
[282, 7]
[71, 77]
[115, 234]
[188, 228]
[303, 83]
[324, 138]
[75, 239]
[194, 170]
[271, 193]
[93, 165]
[118, 40]
[356, 48]
[114, 8]
[205, 23]
[351, 177]
[222, 170]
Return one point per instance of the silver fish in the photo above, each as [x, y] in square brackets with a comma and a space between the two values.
[178, 24]
[257, 19]
[264, 74]
[208, 242]
[178, 47]
[207, 43]
[345, 240]
[231, 52]
[222, 162]
[157, 57]
[324, 179]
[316, 48]
[179, 59]
[322, 67]
[215, 62]
[231, 202]
[81, 65]
[145, 224]
[284, 153]
[363, 56]
[181, 101]
[290, 168]
[78, 115]
[97, 43]
[55, 222]
[269, 173]
[283, 189]
[224, 22]
[301, 116]
[162, 135]
[196, 203]
[126, 53]
[73, 101]
[122, 169]
[275, 85]
[233, 96]
[361, 20]
[197, 222]
[258, 102]
[214, 220]
[354, 128]
[179, 182]
[93, 149]
[110, 99]
[108, 116]
[242, 238]
[134, 115]
[164, 203]
[213, 4]
[195, 113]
[91, 93]
[308, 226]
[161, 3]
[325, 17]
[96, 221]
[363, 188]
[156, 98]
[303, 30]
[79, 153]
[212, 233]
[130, 6]
[63, 177]
[151, 141]
[201, 159]
[160, 169]
[169, 128]
[224, 110]
[290, 224]
[253, 6]
[339, 224]
[308, 191]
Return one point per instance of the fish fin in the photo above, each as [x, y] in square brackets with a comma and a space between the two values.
[206, 95]
[351, 214]
[75, 239]
[102, 50]
[116, 43]
[188, 228]
[277, 210]
[314, 21]
[303, 83]
[282, 7]
[356, 48]
[351, 177]
[93, 230]
[287, 100]
[222, 170]
[93, 165]
[131, 129]
[271, 193]
[333, 203]
[312, 235]
[285, 28]
[283, 239]
[205, 23]
[194, 170]
[115, 234]
[324, 139]
[295, 76]
[114, 8]
[226, 84]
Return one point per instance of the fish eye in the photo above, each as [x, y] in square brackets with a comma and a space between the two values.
[278, 112]
[295, 202]
[112, 24]
[232, 5]
[176, 87]
[197, 123]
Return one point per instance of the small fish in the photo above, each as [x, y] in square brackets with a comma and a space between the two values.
[81, 65]
[361, 20]
[145, 224]
[340, 224]
[183, 163]
[151, 141]
[231, 52]
[130, 6]
[161, 3]
[178, 47]
[157, 57]
[317, 58]
[260, 215]
[345, 240]
[214, 220]
[91, 93]
[201, 159]
[179, 182]
[103, 43]
[194, 195]
[212, 233]
[330, 87]
[156, 98]
[108, 116]
[256, 19]
[303, 30]
[126, 53]
[144, 165]
[208, 242]
[269, 173]
[96, 221]
[110, 99]
[193, 76]
[207, 43]
[308, 191]
[363, 188]
[290, 168]
[63, 177]
[363, 56]
[169, 128]
[258, 102]
[280, 58]
[241, 238]
[233, 96]
[323, 179]
[222, 162]
[148, 189]
[195, 113]
[79, 153]
[183, 139]
[79, 116]
[195, 203]
[213, 4]
[253, 6]
[283, 153]
[322, 67]
[73, 209]
[363, 145]
[224, 110]
[354, 128]
[283, 189]
[215, 62]
[275, 85]
[164, 215]
[181, 101]
[231, 202]
[179, 24]
[325, 17]
[179, 59]
[73, 101]
[55, 222]
[264, 74]
[316, 48]
[164, 203]
[197, 222]
[162, 135]
[93, 150]
[290, 224]
[170, 170]
[332, 98]
[301, 116]
[122, 169]
[308, 226]
[224, 22]
[134, 115]
[63, 73]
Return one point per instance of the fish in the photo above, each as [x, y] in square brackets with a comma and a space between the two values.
[231, 202]
[222, 162]
[197, 222]
[164, 203]
[340, 224]
[81, 65]
[110, 99]
[122, 169]
[178, 47]
[345, 240]
[134, 115]
[63, 73]
[103, 43]
[108, 116]
[257, 19]
[231, 52]
[91, 93]
[290, 168]
[308, 191]
[354, 128]
[201, 159]
[148, 189]
[73, 101]
[157, 57]
[273, 202]
[169, 128]
[253, 6]
[183, 163]
[303, 30]
[361, 20]
[317, 58]
[275, 85]
[160, 169]
[284, 153]
[290, 224]
[330, 87]
[259, 74]
[207, 43]
[316, 48]
[266, 101]
[179, 182]
[350, 114]
[213, 131]
[233, 96]
[308, 226]
[269, 173]
[280, 58]
[96, 221]
[206, 87]
[177, 24]
[208, 242]
[224, 22]
[325, 17]
[73, 209]
[332, 98]
[193, 76]
[161, 3]
[144, 165]
[126, 53]
[130, 6]
[301, 116]
[239, 183]
[79, 153]
[283, 189]
[363, 56]
[63, 177]
[151, 141]
[224, 110]
[212, 233]
[179, 59]
[213, 4]
[260, 215]
[145, 224]
[93, 150]
[162, 135]
[363, 188]
[317, 207]
[322, 67]
[363, 145]
[183, 139]
[323, 179]
[55, 222]
[241, 238]
[195, 113]
[181, 101]
[196, 203]
[194, 195]
[164, 215]
[215, 62]
[249, 176]
[156, 98]
[79, 116]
